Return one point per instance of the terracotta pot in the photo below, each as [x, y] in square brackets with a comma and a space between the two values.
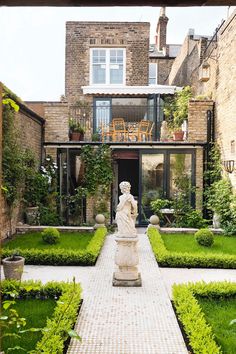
[75, 136]
[178, 135]
[13, 269]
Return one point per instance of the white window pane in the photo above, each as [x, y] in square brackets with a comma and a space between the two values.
[152, 81]
[99, 74]
[116, 75]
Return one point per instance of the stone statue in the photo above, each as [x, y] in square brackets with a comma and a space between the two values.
[126, 212]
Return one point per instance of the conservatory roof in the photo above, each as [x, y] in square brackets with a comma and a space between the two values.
[129, 90]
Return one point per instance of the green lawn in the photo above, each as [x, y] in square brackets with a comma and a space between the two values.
[187, 243]
[36, 313]
[218, 314]
[74, 241]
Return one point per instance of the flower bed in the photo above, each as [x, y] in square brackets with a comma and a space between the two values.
[173, 259]
[63, 256]
[58, 327]
[200, 334]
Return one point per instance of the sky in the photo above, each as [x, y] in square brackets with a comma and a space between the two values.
[32, 58]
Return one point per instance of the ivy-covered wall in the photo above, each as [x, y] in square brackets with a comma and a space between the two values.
[28, 131]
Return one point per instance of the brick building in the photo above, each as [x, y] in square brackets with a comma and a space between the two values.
[208, 65]
[115, 86]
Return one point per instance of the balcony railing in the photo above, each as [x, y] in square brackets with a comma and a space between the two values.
[119, 123]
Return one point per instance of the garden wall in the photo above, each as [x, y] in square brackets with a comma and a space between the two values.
[31, 134]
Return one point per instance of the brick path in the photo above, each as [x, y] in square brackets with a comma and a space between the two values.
[116, 320]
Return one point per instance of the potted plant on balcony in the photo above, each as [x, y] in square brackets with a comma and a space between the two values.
[176, 111]
[76, 131]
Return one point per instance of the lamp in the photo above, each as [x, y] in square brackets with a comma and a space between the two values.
[228, 165]
[204, 74]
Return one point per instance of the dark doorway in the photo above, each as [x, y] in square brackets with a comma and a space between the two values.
[128, 170]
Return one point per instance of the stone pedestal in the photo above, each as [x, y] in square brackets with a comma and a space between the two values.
[126, 259]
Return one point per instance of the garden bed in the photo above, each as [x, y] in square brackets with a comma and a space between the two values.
[205, 312]
[52, 307]
[73, 248]
[180, 251]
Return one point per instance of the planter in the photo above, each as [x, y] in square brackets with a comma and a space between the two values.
[75, 136]
[32, 215]
[178, 135]
[13, 268]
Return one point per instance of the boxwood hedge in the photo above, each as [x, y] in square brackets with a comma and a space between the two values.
[167, 258]
[190, 314]
[58, 327]
[61, 256]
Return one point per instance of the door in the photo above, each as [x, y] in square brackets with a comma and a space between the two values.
[152, 182]
[102, 114]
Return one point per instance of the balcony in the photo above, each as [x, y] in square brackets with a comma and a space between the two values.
[119, 123]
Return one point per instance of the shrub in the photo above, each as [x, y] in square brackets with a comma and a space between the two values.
[166, 258]
[50, 235]
[204, 237]
[158, 204]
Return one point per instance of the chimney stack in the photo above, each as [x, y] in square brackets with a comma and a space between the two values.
[161, 30]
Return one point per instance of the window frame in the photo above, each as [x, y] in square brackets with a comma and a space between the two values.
[107, 67]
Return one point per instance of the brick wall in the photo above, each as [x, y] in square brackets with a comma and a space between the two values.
[163, 69]
[197, 120]
[57, 121]
[30, 137]
[81, 36]
[185, 63]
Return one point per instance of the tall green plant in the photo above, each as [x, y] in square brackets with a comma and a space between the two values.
[98, 167]
[176, 108]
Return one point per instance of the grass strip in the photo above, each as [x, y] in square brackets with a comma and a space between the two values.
[63, 256]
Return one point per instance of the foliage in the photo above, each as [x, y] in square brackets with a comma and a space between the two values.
[176, 108]
[12, 154]
[213, 168]
[96, 137]
[98, 175]
[75, 203]
[204, 237]
[200, 335]
[50, 235]
[49, 216]
[193, 218]
[59, 326]
[62, 256]
[75, 126]
[219, 199]
[167, 258]
[98, 167]
[158, 204]
[36, 189]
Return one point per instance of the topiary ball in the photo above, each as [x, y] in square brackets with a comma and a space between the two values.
[50, 235]
[204, 237]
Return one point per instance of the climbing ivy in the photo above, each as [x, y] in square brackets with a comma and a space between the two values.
[98, 167]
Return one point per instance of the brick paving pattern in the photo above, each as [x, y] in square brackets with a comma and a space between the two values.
[115, 320]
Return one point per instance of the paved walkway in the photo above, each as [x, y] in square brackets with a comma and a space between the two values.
[127, 320]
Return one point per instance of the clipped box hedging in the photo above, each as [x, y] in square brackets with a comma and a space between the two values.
[167, 258]
[62, 256]
[64, 315]
[190, 314]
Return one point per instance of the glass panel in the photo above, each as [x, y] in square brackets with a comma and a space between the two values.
[180, 175]
[152, 182]
[152, 73]
[99, 56]
[99, 74]
[116, 74]
[102, 117]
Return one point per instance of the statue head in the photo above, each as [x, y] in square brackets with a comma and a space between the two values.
[125, 187]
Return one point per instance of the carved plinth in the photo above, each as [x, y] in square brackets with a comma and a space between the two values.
[126, 259]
